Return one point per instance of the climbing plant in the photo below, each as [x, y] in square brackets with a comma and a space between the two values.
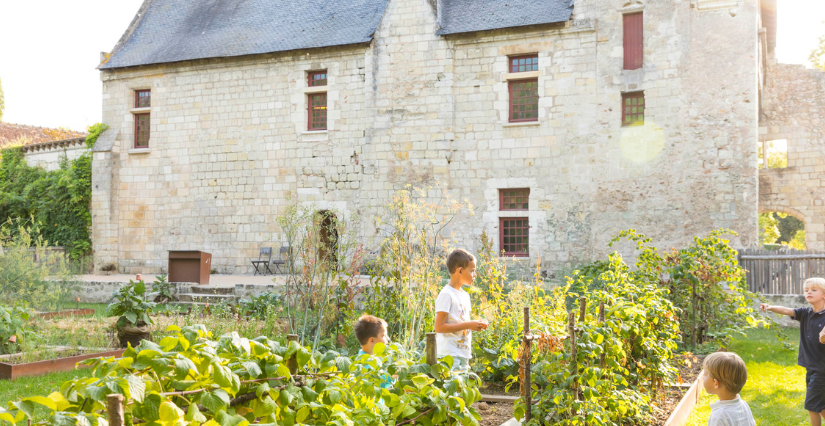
[58, 201]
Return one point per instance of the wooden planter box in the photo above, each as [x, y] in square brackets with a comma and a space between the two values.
[686, 405]
[68, 313]
[14, 371]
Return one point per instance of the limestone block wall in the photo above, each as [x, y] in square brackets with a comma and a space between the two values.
[792, 107]
[228, 149]
[50, 159]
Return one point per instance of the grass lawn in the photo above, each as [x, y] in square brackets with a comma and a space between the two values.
[39, 385]
[775, 389]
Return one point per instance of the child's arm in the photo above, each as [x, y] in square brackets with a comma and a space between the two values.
[441, 325]
[781, 310]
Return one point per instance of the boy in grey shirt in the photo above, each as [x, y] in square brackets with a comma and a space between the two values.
[724, 374]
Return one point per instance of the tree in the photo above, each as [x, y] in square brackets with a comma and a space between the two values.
[817, 56]
[776, 159]
[2, 101]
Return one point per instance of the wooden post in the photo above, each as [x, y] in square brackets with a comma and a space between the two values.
[114, 408]
[432, 349]
[571, 331]
[527, 358]
[601, 322]
[693, 319]
[582, 306]
[292, 361]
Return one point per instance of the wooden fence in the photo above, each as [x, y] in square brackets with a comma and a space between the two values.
[780, 271]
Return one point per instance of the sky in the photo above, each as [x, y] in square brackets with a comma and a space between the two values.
[49, 50]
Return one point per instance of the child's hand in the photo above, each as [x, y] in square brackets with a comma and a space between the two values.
[485, 322]
[822, 336]
[477, 325]
[765, 307]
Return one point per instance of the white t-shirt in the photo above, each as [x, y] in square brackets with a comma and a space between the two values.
[456, 303]
[734, 412]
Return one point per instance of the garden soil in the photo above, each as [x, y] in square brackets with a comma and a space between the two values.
[494, 414]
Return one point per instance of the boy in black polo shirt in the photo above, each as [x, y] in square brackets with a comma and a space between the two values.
[811, 351]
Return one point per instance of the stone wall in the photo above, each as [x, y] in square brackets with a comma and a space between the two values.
[792, 107]
[50, 159]
[229, 145]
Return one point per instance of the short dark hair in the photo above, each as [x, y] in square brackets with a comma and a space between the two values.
[459, 258]
[368, 326]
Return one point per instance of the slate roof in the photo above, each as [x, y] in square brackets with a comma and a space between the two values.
[463, 16]
[180, 30]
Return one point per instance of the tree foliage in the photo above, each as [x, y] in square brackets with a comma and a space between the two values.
[57, 200]
[2, 101]
[817, 56]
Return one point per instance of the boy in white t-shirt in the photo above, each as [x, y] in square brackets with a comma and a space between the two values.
[452, 311]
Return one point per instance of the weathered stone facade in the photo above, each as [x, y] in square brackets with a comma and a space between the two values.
[229, 143]
[793, 106]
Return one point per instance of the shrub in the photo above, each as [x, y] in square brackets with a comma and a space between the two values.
[31, 275]
[129, 305]
[14, 330]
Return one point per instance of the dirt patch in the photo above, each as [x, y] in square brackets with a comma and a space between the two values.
[689, 366]
[494, 413]
[499, 389]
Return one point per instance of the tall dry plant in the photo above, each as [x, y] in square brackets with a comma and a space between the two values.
[408, 271]
[322, 281]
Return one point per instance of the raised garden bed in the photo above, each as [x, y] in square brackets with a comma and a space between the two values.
[10, 371]
[67, 313]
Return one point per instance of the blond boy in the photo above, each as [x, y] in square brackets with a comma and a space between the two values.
[811, 344]
[724, 374]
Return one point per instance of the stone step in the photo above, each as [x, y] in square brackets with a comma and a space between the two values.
[206, 298]
[211, 289]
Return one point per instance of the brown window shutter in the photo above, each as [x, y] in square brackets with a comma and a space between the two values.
[633, 41]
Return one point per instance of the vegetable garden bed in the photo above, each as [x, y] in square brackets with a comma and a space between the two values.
[9, 371]
[67, 313]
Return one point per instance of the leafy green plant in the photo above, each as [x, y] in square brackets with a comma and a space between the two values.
[189, 378]
[263, 305]
[162, 290]
[58, 200]
[130, 306]
[14, 329]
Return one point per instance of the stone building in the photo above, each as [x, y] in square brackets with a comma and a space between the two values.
[793, 110]
[604, 114]
[43, 147]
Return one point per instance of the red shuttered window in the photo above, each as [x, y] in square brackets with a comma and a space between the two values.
[141, 130]
[633, 109]
[513, 234]
[317, 104]
[633, 41]
[514, 199]
[143, 98]
[524, 100]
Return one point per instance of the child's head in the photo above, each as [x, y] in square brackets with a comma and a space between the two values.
[814, 290]
[724, 371]
[462, 266]
[370, 330]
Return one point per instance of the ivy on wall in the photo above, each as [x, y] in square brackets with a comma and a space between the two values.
[58, 200]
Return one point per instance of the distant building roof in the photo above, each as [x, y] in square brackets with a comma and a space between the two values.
[19, 134]
[180, 30]
[463, 16]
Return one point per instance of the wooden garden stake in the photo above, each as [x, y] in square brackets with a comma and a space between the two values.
[292, 361]
[432, 349]
[527, 358]
[571, 331]
[601, 322]
[114, 408]
[582, 306]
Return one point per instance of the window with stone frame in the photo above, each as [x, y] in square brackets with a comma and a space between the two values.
[317, 78]
[524, 100]
[141, 130]
[514, 236]
[524, 63]
[514, 199]
[514, 232]
[633, 109]
[143, 98]
[317, 106]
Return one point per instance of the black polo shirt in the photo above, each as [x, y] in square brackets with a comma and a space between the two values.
[811, 352]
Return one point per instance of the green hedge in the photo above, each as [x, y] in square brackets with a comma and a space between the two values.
[57, 200]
